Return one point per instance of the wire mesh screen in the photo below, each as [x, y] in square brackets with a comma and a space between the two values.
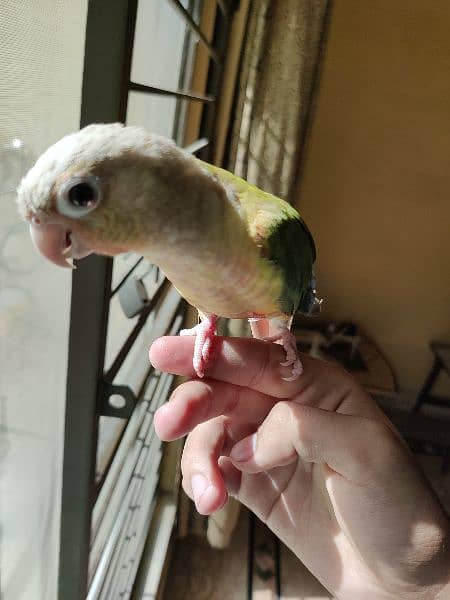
[41, 65]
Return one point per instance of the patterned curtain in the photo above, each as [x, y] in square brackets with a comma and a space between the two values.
[279, 70]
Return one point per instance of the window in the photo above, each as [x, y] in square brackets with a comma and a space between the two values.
[77, 516]
[41, 61]
[83, 510]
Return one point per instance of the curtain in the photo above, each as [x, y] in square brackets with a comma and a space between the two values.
[279, 70]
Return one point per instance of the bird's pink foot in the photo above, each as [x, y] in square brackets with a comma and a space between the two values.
[287, 338]
[204, 333]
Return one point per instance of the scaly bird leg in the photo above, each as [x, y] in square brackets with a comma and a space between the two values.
[204, 333]
[260, 329]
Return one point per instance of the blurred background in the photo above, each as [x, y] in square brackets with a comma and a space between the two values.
[339, 107]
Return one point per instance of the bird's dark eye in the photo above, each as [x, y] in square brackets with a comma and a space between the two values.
[82, 195]
[79, 196]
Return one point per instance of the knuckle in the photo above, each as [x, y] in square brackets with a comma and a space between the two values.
[293, 419]
[192, 390]
[202, 444]
[199, 397]
[192, 450]
[307, 445]
[285, 416]
[194, 400]
[282, 413]
[190, 464]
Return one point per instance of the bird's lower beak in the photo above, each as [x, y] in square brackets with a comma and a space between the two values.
[57, 243]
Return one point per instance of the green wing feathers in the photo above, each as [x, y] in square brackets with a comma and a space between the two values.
[279, 231]
[289, 247]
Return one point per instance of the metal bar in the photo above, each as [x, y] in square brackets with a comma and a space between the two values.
[118, 459]
[250, 554]
[88, 319]
[215, 80]
[125, 277]
[434, 400]
[91, 285]
[141, 524]
[277, 556]
[134, 369]
[125, 553]
[173, 329]
[105, 558]
[197, 145]
[111, 498]
[188, 95]
[108, 410]
[123, 352]
[180, 108]
[137, 528]
[427, 386]
[156, 549]
[144, 476]
[196, 29]
[143, 486]
[128, 57]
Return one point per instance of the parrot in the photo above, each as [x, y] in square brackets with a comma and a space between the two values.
[229, 248]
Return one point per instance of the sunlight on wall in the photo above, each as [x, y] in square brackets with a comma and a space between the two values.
[377, 183]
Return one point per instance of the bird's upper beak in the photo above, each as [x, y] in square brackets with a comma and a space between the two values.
[57, 243]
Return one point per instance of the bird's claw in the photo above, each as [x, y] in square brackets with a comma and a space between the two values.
[297, 369]
[287, 339]
[204, 333]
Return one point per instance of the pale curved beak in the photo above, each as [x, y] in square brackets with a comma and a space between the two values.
[57, 244]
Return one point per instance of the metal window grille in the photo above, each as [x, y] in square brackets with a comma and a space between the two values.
[109, 499]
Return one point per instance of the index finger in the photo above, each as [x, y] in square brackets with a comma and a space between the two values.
[241, 361]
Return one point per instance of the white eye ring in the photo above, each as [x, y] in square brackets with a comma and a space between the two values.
[79, 196]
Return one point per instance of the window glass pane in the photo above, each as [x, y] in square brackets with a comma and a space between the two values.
[41, 62]
[155, 113]
[158, 45]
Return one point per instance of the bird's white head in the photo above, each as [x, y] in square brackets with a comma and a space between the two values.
[106, 189]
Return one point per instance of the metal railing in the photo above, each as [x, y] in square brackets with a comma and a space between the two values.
[98, 518]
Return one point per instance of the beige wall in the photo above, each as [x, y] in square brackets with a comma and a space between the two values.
[376, 186]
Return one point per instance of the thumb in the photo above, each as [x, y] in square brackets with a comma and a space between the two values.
[350, 445]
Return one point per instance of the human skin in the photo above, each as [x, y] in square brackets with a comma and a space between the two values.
[315, 459]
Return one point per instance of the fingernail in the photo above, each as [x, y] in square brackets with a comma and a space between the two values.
[244, 450]
[199, 485]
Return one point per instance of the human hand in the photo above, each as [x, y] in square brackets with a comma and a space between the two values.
[315, 459]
